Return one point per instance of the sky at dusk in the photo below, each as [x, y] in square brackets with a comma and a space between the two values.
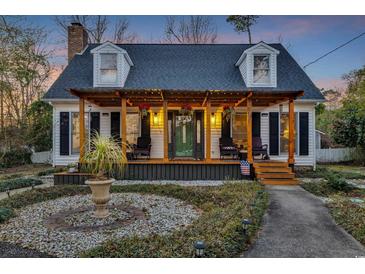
[306, 38]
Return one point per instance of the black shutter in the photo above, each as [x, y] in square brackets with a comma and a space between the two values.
[303, 133]
[274, 133]
[256, 124]
[226, 127]
[115, 125]
[64, 133]
[94, 123]
[145, 126]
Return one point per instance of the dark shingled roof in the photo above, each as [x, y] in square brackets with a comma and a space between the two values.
[184, 67]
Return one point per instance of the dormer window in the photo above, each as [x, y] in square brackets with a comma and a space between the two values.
[257, 65]
[108, 68]
[111, 65]
[261, 69]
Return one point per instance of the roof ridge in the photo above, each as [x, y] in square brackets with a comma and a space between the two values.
[187, 44]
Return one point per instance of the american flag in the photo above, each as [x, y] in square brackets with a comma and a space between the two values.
[245, 167]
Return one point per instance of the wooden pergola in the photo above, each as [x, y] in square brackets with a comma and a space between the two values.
[175, 98]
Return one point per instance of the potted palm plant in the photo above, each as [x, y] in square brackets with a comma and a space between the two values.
[104, 161]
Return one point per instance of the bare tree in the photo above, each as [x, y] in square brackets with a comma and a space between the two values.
[97, 28]
[243, 23]
[121, 34]
[191, 30]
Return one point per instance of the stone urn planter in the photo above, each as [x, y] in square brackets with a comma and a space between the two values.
[100, 190]
[103, 162]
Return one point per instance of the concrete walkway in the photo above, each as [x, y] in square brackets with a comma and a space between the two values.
[298, 224]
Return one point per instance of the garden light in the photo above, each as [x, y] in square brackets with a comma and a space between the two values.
[8, 191]
[245, 224]
[199, 248]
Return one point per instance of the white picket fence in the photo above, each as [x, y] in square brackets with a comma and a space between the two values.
[335, 155]
[44, 157]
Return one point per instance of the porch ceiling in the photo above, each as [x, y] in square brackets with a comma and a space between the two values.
[112, 97]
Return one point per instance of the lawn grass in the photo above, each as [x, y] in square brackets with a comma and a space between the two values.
[21, 171]
[346, 171]
[219, 225]
[350, 215]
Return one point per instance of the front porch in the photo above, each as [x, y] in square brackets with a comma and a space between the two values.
[201, 161]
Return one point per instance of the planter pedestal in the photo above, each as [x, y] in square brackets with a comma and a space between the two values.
[100, 196]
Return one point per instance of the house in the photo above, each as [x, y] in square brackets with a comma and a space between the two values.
[244, 92]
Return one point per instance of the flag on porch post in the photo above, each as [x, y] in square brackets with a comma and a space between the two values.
[245, 167]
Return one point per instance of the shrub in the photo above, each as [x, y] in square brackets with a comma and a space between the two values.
[18, 183]
[5, 214]
[15, 157]
[336, 182]
[42, 194]
[50, 171]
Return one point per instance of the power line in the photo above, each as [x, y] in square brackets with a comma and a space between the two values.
[328, 53]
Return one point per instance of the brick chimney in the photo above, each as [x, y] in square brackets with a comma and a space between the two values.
[77, 39]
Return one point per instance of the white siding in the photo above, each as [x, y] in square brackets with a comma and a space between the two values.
[58, 159]
[157, 130]
[243, 69]
[307, 160]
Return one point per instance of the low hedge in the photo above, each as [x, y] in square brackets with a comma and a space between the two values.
[15, 157]
[51, 171]
[5, 214]
[18, 183]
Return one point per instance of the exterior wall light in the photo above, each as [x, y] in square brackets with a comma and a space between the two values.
[245, 224]
[213, 120]
[199, 248]
[155, 119]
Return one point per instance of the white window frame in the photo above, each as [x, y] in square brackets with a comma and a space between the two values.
[297, 137]
[269, 69]
[70, 131]
[102, 69]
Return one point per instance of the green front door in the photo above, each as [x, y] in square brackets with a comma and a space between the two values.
[184, 136]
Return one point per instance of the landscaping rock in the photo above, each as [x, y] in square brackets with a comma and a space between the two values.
[29, 229]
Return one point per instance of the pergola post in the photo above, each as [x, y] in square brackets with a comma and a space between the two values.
[82, 127]
[208, 114]
[249, 130]
[123, 125]
[291, 132]
[165, 133]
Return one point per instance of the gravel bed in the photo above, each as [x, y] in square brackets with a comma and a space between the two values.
[168, 182]
[163, 215]
[87, 218]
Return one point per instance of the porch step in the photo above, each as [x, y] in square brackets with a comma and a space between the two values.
[270, 164]
[292, 181]
[273, 169]
[275, 175]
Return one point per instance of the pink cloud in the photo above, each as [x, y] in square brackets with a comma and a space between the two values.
[56, 70]
[331, 83]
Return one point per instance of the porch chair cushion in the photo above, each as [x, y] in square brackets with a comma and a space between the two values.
[227, 147]
[143, 147]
